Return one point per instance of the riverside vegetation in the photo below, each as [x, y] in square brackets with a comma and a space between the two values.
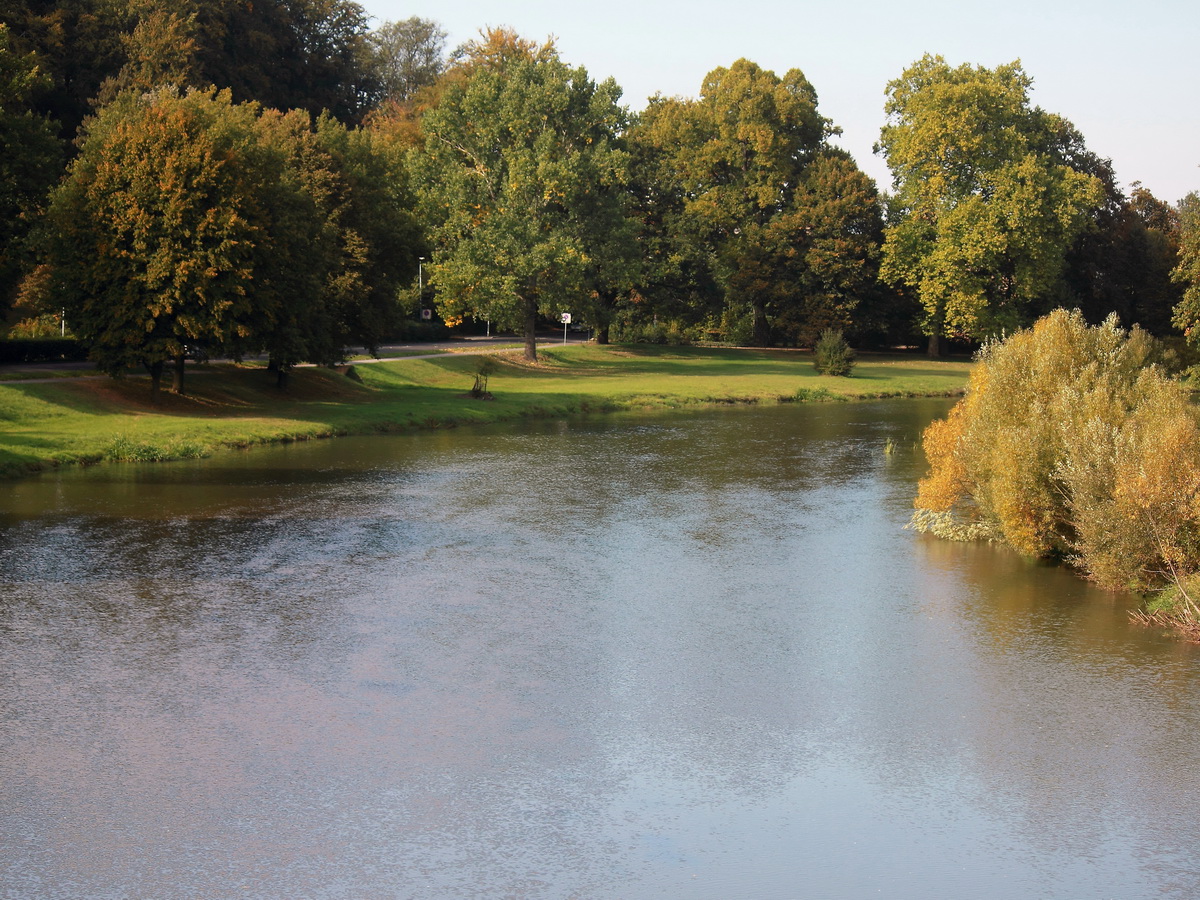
[88, 420]
[1073, 443]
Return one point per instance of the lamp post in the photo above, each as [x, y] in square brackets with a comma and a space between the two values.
[421, 277]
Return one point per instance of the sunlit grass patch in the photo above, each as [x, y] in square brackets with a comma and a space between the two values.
[227, 406]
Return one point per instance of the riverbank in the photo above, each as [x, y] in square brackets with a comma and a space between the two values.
[84, 420]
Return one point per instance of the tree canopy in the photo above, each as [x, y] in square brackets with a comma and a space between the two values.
[188, 219]
[519, 179]
[1187, 272]
[229, 132]
[986, 204]
[30, 158]
[748, 186]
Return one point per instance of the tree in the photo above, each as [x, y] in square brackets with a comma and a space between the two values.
[1072, 443]
[283, 54]
[190, 219]
[987, 206]
[151, 238]
[744, 182]
[377, 235]
[160, 50]
[1187, 272]
[519, 178]
[77, 44]
[407, 56]
[739, 153]
[836, 250]
[1122, 261]
[30, 158]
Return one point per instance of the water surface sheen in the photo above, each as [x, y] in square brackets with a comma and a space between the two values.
[672, 656]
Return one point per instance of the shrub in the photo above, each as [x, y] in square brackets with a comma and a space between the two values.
[664, 333]
[1072, 442]
[484, 368]
[832, 355]
[737, 325]
[42, 350]
[123, 448]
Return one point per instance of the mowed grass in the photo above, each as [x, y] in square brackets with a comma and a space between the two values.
[89, 420]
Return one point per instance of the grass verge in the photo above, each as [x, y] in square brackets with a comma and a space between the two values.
[81, 421]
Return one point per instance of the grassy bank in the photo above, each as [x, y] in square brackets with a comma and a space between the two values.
[86, 420]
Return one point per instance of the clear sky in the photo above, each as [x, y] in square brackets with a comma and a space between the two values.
[1126, 73]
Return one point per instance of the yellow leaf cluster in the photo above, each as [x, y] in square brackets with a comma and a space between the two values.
[1071, 443]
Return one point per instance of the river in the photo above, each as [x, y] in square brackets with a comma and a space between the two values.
[675, 655]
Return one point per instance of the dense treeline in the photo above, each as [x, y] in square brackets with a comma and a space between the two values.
[266, 177]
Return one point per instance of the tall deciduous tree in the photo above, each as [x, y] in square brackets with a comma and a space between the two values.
[745, 177]
[407, 56]
[1187, 272]
[195, 220]
[30, 157]
[987, 205]
[520, 178]
[152, 236]
[283, 54]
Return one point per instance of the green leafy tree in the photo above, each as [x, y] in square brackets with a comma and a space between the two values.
[193, 220]
[1187, 272]
[834, 258]
[407, 55]
[742, 181]
[376, 237]
[677, 282]
[520, 179]
[1122, 261]
[737, 157]
[152, 236]
[987, 204]
[30, 159]
[78, 45]
[160, 50]
[283, 54]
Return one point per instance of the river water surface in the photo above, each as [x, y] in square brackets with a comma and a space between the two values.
[675, 656]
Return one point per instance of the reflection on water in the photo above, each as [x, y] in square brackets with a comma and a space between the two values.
[673, 656]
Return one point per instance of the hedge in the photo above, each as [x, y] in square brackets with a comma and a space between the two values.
[38, 350]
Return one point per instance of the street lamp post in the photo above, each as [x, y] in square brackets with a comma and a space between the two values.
[421, 278]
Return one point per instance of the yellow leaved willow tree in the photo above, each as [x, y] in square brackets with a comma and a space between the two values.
[1072, 442]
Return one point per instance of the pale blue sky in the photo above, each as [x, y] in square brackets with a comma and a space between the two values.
[1127, 74]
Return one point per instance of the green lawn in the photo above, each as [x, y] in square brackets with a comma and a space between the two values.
[84, 420]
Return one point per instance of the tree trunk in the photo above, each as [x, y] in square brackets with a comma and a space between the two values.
[935, 346]
[531, 330]
[177, 375]
[762, 330]
[280, 370]
[155, 369]
[601, 334]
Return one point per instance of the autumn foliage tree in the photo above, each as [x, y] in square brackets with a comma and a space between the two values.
[188, 219]
[1072, 443]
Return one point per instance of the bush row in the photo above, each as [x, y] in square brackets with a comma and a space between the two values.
[37, 350]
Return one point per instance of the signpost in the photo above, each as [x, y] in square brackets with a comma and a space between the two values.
[566, 320]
